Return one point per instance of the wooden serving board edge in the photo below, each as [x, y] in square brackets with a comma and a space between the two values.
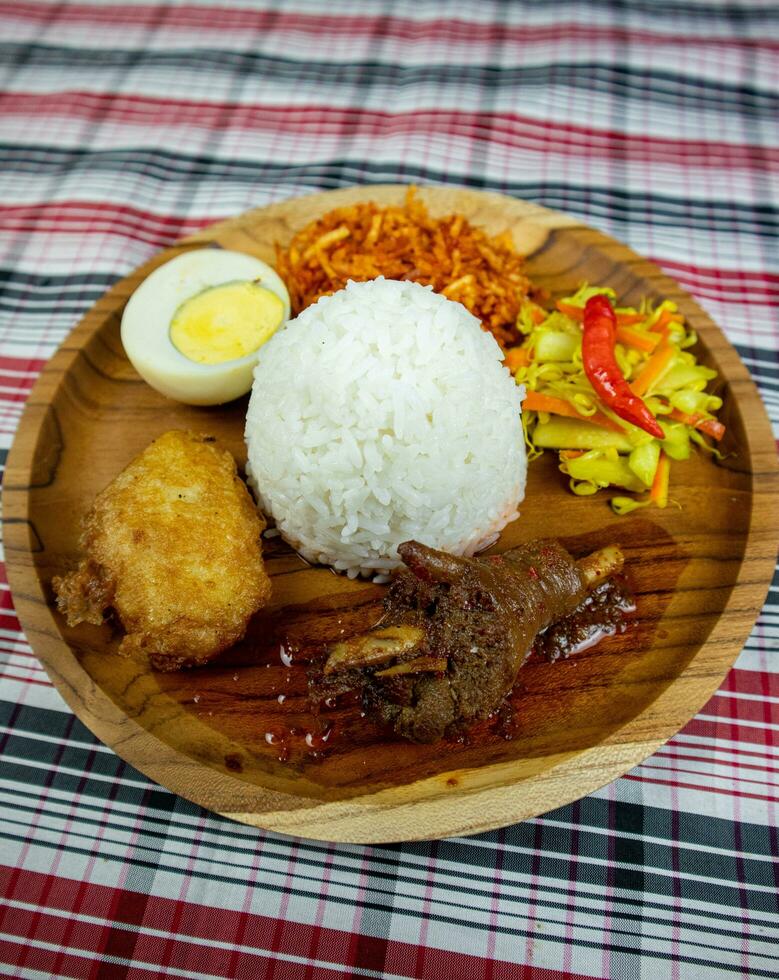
[449, 804]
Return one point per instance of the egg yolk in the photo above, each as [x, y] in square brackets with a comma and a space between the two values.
[227, 322]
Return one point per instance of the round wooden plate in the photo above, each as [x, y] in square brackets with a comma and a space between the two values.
[237, 737]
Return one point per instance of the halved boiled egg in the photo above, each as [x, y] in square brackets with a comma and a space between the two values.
[194, 327]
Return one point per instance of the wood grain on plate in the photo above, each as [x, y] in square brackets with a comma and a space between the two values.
[237, 737]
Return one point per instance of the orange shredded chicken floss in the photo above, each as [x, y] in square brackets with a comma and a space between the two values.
[365, 241]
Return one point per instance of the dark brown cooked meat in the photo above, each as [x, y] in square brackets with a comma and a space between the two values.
[456, 632]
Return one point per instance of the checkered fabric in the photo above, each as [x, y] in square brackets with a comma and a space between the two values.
[124, 125]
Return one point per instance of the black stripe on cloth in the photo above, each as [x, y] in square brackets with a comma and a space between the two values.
[708, 14]
[73, 746]
[31, 296]
[552, 867]
[766, 367]
[44, 290]
[742, 13]
[22, 287]
[393, 875]
[33, 305]
[762, 364]
[673, 89]
[621, 206]
[77, 742]
[11, 279]
[630, 861]
[628, 931]
[30, 310]
[29, 293]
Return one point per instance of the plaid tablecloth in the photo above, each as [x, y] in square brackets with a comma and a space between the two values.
[126, 125]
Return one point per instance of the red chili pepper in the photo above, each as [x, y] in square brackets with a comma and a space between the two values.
[600, 366]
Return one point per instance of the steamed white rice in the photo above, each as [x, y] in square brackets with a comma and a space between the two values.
[383, 413]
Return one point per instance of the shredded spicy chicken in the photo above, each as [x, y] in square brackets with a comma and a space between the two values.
[365, 241]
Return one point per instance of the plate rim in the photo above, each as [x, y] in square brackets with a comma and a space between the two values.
[393, 815]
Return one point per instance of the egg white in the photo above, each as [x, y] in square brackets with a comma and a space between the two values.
[147, 317]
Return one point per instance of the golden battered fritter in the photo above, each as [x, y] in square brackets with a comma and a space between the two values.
[173, 546]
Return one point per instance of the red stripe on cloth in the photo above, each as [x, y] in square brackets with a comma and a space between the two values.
[15, 396]
[121, 942]
[69, 217]
[675, 755]
[747, 285]
[745, 709]
[13, 379]
[730, 731]
[43, 960]
[713, 747]
[32, 663]
[6, 603]
[741, 780]
[29, 365]
[9, 619]
[703, 787]
[732, 275]
[403, 28]
[509, 129]
[334, 947]
[758, 682]
[26, 680]
[199, 959]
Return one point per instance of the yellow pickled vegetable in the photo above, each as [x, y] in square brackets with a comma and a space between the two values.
[562, 411]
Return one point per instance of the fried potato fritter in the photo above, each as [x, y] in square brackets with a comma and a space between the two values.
[173, 546]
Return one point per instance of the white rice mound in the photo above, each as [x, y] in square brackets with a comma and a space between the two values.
[380, 414]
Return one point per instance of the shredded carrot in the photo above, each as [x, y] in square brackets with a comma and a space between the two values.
[637, 339]
[363, 241]
[625, 319]
[666, 317]
[572, 453]
[538, 314]
[654, 367]
[711, 427]
[517, 357]
[574, 312]
[537, 402]
[659, 492]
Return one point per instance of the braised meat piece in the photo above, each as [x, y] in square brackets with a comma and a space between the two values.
[456, 632]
